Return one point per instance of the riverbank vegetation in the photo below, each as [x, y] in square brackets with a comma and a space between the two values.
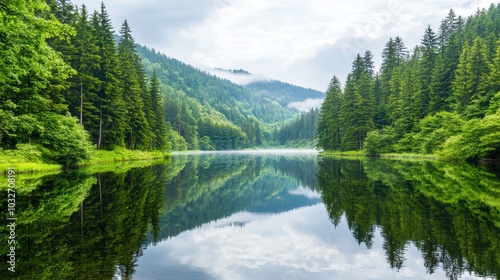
[69, 92]
[441, 98]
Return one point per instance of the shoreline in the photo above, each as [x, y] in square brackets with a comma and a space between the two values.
[98, 157]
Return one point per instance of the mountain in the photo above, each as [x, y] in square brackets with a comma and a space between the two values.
[283, 93]
[208, 112]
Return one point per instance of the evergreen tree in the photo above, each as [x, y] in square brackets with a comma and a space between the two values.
[82, 98]
[329, 129]
[470, 83]
[429, 52]
[159, 125]
[357, 109]
[393, 55]
[139, 135]
[112, 109]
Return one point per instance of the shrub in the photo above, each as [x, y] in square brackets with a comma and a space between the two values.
[380, 141]
[65, 140]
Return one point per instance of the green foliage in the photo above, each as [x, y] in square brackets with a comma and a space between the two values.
[329, 129]
[301, 129]
[65, 141]
[206, 144]
[431, 133]
[380, 141]
[480, 138]
[470, 84]
[419, 103]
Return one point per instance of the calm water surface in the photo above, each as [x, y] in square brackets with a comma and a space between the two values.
[261, 215]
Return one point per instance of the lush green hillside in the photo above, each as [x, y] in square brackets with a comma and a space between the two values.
[207, 112]
[441, 97]
[283, 93]
[300, 131]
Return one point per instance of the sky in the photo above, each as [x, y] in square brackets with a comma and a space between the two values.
[302, 42]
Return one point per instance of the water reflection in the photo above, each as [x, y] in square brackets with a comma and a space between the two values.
[261, 216]
[450, 212]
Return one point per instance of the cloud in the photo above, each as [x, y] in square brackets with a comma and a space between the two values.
[307, 104]
[305, 192]
[240, 79]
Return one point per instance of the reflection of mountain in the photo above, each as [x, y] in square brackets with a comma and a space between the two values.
[450, 212]
[213, 187]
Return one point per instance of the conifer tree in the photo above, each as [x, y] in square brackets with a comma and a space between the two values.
[429, 52]
[357, 110]
[83, 99]
[471, 79]
[158, 122]
[112, 109]
[138, 135]
[329, 129]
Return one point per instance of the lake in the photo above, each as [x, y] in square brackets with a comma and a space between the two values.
[259, 215]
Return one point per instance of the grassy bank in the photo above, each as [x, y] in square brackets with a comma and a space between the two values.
[388, 155]
[117, 155]
[30, 160]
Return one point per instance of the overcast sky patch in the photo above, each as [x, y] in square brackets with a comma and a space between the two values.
[299, 42]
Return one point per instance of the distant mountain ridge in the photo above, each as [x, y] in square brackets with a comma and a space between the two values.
[284, 93]
[205, 111]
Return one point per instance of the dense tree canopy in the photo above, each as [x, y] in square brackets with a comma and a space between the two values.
[442, 98]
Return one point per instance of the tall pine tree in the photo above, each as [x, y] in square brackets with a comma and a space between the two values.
[139, 134]
[329, 129]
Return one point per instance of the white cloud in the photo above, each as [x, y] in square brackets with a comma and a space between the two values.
[305, 192]
[240, 79]
[307, 104]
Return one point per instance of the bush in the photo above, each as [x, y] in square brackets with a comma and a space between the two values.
[431, 133]
[65, 140]
[480, 139]
[380, 141]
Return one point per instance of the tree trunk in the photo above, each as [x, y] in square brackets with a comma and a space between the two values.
[81, 103]
[100, 128]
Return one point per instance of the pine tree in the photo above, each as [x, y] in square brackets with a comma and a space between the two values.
[159, 125]
[139, 135]
[429, 52]
[357, 110]
[83, 99]
[471, 80]
[112, 109]
[329, 129]
[393, 55]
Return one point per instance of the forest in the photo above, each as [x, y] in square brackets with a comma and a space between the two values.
[441, 97]
[70, 86]
[67, 87]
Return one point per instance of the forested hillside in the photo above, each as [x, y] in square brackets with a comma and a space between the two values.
[69, 85]
[283, 93]
[441, 97]
[299, 132]
[66, 87]
[207, 112]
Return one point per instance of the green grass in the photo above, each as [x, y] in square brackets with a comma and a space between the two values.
[29, 159]
[363, 153]
[120, 154]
